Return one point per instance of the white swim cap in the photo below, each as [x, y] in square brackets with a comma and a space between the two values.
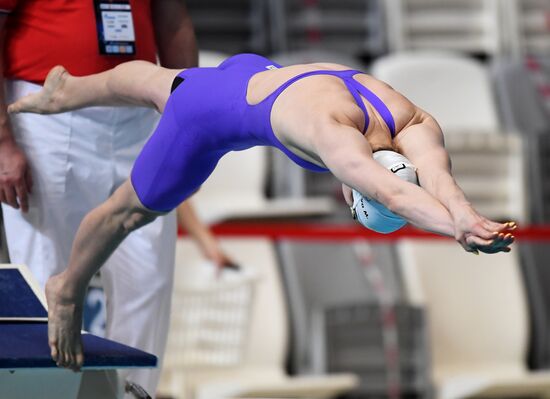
[372, 214]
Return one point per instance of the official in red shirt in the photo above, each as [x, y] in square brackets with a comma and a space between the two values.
[54, 169]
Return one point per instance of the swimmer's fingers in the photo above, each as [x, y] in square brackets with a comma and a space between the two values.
[493, 250]
[510, 226]
[494, 226]
[506, 241]
[503, 240]
[476, 242]
[501, 243]
[483, 231]
[348, 196]
[468, 247]
[493, 231]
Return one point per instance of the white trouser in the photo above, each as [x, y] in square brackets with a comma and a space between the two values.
[77, 160]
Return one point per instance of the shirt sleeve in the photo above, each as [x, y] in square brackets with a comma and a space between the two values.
[7, 6]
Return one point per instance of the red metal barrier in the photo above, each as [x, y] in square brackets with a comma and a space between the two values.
[327, 231]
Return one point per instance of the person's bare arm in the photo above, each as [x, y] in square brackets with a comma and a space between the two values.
[131, 83]
[423, 144]
[174, 33]
[348, 155]
[100, 233]
[15, 173]
[201, 234]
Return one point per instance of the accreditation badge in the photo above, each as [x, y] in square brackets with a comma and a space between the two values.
[115, 27]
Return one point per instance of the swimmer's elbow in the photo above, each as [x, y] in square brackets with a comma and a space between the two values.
[397, 204]
[393, 198]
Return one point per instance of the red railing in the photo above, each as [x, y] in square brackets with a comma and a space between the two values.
[328, 231]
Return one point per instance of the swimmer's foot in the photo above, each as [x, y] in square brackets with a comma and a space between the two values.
[64, 324]
[49, 100]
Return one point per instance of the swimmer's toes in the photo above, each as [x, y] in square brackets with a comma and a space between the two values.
[79, 360]
[73, 365]
[60, 360]
[68, 362]
[54, 352]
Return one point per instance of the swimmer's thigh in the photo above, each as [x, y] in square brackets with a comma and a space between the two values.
[174, 162]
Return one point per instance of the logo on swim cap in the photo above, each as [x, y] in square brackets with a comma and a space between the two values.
[375, 216]
[271, 67]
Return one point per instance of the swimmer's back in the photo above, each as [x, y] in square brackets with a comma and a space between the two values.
[227, 91]
[331, 96]
[208, 115]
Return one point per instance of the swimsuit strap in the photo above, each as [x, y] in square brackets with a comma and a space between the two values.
[378, 104]
[355, 88]
[355, 93]
[281, 88]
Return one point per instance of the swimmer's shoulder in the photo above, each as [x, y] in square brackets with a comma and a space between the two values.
[415, 116]
[404, 111]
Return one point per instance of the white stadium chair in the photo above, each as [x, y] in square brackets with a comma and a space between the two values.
[461, 25]
[477, 320]
[230, 26]
[455, 89]
[348, 26]
[526, 23]
[235, 190]
[259, 370]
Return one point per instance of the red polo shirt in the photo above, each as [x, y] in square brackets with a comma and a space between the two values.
[43, 33]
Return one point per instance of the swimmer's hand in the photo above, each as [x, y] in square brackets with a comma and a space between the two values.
[347, 193]
[49, 100]
[212, 250]
[501, 243]
[476, 233]
[64, 323]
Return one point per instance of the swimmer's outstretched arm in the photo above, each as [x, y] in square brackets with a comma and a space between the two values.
[99, 234]
[423, 144]
[132, 83]
[348, 155]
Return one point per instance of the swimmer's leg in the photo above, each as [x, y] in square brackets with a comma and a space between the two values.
[99, 234]
[171, 166]
[132, 83]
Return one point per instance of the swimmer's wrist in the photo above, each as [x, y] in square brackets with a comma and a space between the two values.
[457, 203]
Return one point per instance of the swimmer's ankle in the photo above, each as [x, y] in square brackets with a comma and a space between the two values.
[64, 290]
[55, 86]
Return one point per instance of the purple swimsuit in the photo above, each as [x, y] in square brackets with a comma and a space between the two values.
[207, 116]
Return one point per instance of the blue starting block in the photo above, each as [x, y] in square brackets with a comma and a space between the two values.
[26, 368]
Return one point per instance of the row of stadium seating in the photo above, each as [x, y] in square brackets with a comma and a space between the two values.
[414, 318]
[374, 27]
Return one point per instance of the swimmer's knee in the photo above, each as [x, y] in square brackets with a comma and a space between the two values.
[138, 218]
